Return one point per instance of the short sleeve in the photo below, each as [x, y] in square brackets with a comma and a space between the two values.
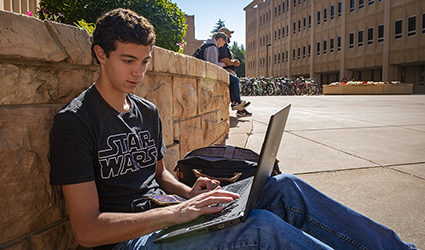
[71, 150]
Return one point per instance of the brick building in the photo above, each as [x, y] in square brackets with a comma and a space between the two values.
[379, 40]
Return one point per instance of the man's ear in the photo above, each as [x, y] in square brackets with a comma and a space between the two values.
[100, 53]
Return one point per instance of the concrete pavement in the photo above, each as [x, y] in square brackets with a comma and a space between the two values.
[367, 152]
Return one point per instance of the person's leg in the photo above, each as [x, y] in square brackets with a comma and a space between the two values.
[235, 93]
[338, 226]
[262, 230]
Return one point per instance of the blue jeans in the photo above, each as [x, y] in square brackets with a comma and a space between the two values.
[291, 214]
[234, 89]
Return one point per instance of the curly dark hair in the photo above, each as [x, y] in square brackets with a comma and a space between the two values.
[122, 25]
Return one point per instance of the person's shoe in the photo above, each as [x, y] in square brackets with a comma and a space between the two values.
[243, 113]
[240, 106]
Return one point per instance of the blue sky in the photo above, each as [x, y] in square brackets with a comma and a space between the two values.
[207, 14]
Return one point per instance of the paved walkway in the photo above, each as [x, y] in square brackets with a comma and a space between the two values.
[367, 152]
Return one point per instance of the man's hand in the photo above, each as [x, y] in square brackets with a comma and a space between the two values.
[203, 185]
[236, 62]
[201, 204]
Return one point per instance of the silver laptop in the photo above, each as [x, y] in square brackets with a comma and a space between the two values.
[249, 189]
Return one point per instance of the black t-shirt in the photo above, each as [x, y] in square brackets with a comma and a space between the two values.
[224, 52]
[91, 141]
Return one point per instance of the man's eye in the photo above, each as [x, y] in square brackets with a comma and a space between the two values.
[128, 61]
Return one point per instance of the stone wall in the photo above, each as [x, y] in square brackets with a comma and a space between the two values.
[43, 65]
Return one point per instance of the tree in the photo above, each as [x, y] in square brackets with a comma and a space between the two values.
[165, 16]
[239, 53]
[219, 24]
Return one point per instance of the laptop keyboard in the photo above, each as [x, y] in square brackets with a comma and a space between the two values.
[237, 187]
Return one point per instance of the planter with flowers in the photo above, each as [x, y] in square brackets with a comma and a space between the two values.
[367, 88]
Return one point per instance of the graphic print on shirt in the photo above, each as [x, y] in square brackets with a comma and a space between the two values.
[127, 152]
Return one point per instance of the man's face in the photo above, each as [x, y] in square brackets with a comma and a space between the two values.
[126, 66]
[220, 42]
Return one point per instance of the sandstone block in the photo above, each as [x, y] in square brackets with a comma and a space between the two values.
[158, 90]
[185, 97]
[191, 135]
[28, 201]
[27, 37]
[171, 157]
[213, 71]
[165, 61]
[75, 41]
[29, 84]
[59, 237]
[206, 92]
[196, 67]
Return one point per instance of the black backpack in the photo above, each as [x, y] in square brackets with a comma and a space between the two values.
[225, 163]
[199, 53]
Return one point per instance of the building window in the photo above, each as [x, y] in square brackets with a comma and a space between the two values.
[305, 23]
[398, 29]
[309, 21]
[283, 7]
[279, 9]
[411, 26]
[351, 5]
[325, 45]
[318, 48]
[303, 51]
[278, 57]
[299, 53]
[299, 25]
[287, 30]
[283, 57]
[381, 33]
[360, 38]
[295, 3]
[275, 11]
[339, 8]
[279, 34]
[331, 48]
[332, 12]
[309, 50]
[371, 2]
[295, 27]
[339, 43]
[325, 15]
[351, 41]
[283, 32]
[293, 55]
[275, 35]
[361, 4]
[423, 23]
[370, 36]
[318, 17]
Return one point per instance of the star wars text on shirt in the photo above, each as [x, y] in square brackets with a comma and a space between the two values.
[127, 152]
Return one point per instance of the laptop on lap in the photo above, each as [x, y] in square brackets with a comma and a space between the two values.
[249, 189]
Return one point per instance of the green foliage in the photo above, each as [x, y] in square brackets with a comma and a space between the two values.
[87, 26]
[165, 16]
[219, 25]
[239, 53]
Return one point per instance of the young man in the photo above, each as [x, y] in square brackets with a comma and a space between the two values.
[229, 64]
[106, 153]
[212, 54]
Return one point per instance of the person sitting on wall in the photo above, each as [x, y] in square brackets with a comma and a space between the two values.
[211, 54]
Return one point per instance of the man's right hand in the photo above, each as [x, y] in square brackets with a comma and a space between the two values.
[201, 204]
